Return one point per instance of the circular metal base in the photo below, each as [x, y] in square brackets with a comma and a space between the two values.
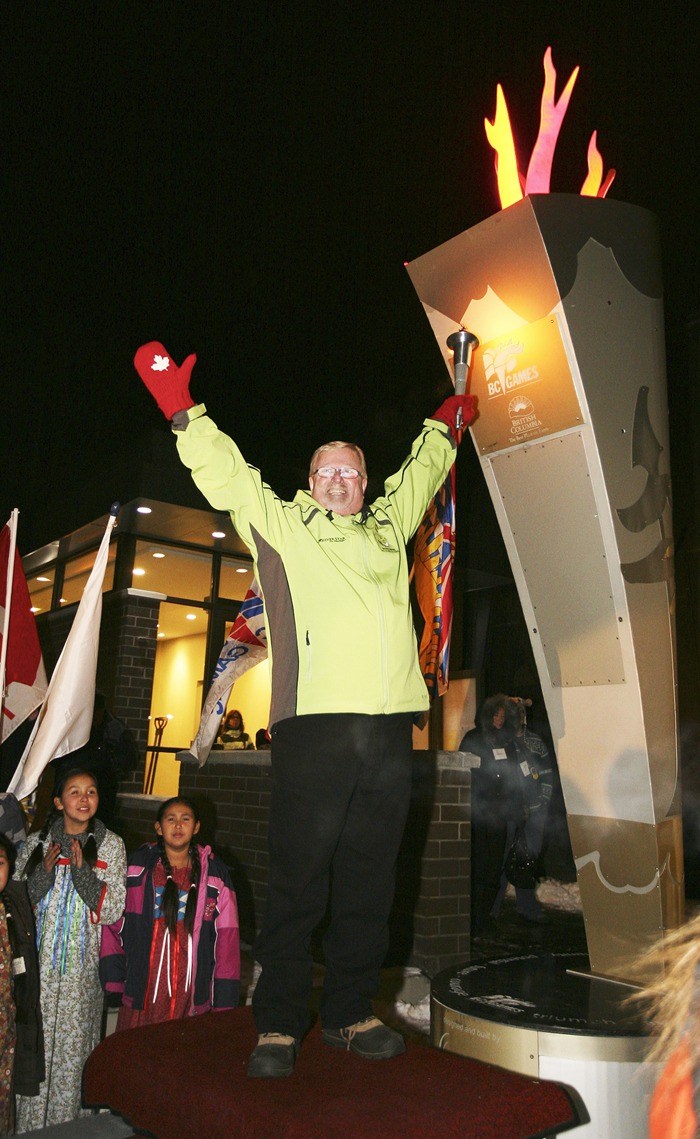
[546, 1017]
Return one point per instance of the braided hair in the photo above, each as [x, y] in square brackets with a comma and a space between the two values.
[171, 899]
[90, 847]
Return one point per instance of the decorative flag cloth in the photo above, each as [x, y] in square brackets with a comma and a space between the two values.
[66, 716]
[433, 557]
[23, 677]
[245, 646]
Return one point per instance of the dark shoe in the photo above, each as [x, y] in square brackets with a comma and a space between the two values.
[273, 1056]
[368, 1038]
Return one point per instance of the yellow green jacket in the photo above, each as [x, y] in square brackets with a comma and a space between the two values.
[336, 591]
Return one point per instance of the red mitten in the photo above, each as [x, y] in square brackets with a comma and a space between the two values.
[168, 384]
[447, 413]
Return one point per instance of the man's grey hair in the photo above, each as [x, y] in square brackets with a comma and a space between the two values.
[336, 445]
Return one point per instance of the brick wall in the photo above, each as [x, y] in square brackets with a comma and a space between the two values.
[233, 793]
[432, 906]
[430, 922]
[128, 638]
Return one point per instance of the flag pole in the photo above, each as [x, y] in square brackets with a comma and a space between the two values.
[12, 523]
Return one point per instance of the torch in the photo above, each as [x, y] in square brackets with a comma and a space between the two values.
[462, 344]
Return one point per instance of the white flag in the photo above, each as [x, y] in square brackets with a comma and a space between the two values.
[65, 719]
[245, 646]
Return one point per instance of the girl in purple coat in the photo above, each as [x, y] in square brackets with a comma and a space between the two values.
[175, 952]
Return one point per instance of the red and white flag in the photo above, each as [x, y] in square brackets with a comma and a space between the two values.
[65, 720]
[22, 674]
[245, 646]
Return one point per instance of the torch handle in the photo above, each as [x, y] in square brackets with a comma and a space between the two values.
[462, 344]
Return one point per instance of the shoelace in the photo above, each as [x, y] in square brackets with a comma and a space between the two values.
[349, 1033]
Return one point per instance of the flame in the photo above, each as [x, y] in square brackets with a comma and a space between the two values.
[500, 135]
[551, 117]
[594, 187]
[511, 185]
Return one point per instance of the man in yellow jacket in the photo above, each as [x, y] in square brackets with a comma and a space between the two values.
[346, 685]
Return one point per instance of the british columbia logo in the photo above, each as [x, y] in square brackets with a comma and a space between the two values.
[504, 376]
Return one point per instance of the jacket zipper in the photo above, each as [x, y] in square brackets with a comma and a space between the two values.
[381, 616]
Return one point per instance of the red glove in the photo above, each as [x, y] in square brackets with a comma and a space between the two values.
[168, 384]
[447, 413]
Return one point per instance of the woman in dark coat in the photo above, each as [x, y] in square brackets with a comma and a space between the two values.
[21, 1028]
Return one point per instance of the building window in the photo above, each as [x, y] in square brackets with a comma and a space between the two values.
[177, 686]
[41, 590]
[162, 568]
[77, 571]
[235, 578]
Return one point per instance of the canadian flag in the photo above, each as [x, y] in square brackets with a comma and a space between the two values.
[23, 675]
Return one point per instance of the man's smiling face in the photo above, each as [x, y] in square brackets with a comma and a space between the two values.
[340, 494]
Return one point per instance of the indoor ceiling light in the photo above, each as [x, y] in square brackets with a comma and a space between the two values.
[158, 554]
[218, 534]
[138, 572]
[143, 510]
[191, 617]
[43, 579]
[241, 569]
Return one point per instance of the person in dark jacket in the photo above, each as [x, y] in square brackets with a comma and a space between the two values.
[492, 790]
[511, 789]
[20, 1015]
[530, 787]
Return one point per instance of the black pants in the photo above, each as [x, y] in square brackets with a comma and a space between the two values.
[340, 792]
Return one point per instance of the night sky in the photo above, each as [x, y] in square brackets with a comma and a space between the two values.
[246, 181]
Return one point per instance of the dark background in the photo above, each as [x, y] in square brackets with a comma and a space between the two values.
[246, 181]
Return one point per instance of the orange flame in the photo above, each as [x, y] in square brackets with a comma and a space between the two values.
[511, 184]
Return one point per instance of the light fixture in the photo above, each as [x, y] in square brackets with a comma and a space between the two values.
[158, 554]
[161, 635]
[190, 616]
[218, 534]
[61, 601]
[43, 579]
[241, 569]
[138, 572]
[143, 510]
[35, 609]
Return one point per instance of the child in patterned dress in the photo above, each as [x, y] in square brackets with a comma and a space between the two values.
[75, 872]
[175, 952]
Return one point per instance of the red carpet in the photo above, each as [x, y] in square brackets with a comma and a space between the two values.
[186, 1080]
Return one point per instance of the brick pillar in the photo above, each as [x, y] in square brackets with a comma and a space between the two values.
[126, 665]
[433, 890]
